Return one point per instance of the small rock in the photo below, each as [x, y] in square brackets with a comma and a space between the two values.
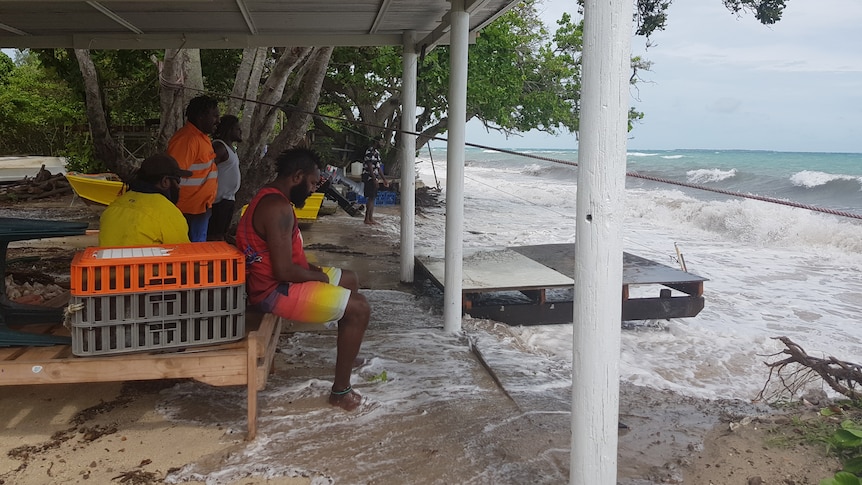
[755, 480]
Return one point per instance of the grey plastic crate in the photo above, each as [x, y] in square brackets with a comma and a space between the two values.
[138, 322]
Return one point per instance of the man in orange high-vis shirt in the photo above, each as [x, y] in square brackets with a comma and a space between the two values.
[192, 148]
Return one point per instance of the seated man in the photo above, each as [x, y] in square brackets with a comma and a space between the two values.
[279, 278]
[146, 213]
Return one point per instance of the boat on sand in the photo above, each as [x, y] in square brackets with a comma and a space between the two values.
[98, 188]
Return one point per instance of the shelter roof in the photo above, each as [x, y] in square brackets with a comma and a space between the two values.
[223, 24]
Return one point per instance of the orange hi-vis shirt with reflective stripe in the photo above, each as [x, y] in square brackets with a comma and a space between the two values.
[193, 150]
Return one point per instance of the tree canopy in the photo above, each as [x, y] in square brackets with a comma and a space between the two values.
[522, 77]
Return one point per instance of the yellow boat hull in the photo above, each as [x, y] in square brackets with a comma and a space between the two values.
[308, 213]
[101, 188]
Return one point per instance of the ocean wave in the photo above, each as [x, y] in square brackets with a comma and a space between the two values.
[748, 221]
[810, 178]
[706, 175]
[672, 157]
[548, 171]
[640, 154]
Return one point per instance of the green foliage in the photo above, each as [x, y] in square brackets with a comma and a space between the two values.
[382, 377]
[650, 15]
[842, 440]
[80, 156]
[766, 12]
[521, 78]
[219, 67]
[841, 478]
[38, 111]
[847, 441]
[128, 78]
[7, 65]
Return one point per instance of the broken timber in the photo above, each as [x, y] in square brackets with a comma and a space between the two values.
[532, 270]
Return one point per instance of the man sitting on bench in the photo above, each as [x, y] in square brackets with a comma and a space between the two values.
[279, 278]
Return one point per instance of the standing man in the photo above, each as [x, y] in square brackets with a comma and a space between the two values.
[227, 133]
[372, 176]
[279, 278]
[146, 213]
[193, 150]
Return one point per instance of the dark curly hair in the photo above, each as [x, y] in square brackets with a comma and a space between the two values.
[200, 106]
[297, 160]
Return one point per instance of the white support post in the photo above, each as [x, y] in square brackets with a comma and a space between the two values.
[454, 269]
[598, 253]
[407, 155]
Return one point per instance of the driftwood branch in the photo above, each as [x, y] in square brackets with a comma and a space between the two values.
[43, 185]
[799, 368]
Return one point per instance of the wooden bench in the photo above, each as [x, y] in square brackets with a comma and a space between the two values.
[245, 362]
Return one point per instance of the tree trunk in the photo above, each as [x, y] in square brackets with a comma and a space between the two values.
[266, 109]
[252, 88]
[181, 80]
[170, 96]
[241, 81]
[299, 120]
[260, 170]
[106, 149]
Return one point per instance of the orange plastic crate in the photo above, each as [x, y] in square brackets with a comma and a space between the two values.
[105, 271]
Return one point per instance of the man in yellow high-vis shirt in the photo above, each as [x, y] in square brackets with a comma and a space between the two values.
[146, 213]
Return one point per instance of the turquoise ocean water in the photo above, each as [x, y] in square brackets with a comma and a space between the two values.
[829, 180]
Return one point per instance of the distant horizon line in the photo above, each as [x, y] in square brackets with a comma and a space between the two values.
[631, 149]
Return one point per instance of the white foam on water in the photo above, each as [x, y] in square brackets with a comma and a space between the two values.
[813, 178]
[431, 380]
[706, 175]
[773, 271]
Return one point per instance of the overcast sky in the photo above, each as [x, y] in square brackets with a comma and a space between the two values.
[724, 82]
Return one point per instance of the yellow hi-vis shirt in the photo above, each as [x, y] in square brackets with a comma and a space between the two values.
[140, 219]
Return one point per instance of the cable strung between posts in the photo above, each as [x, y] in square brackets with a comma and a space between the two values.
[690, 185]
[286, 107]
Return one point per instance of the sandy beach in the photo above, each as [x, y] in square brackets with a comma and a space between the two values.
[477, 407]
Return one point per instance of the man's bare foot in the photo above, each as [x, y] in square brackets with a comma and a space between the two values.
[370, 222]
[359, 362]
[347, 399]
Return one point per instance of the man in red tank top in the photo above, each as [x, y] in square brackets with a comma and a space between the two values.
[279, 278]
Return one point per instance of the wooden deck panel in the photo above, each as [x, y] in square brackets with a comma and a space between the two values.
[531, 270]
[636, 270]
[246, 362]
[499, 270]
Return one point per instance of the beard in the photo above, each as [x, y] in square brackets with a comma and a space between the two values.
[173, 194]
[297, 196]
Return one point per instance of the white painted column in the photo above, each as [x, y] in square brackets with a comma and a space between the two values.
[407, 155]
[452, 280]
[598, 254]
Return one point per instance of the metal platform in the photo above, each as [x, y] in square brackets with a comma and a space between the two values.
[533, 270]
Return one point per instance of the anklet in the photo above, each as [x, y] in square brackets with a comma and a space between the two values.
[341, 393]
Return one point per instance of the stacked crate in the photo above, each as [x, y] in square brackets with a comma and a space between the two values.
[384, 197]
[134, 299]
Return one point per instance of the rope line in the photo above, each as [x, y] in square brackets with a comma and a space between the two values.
[762, 198]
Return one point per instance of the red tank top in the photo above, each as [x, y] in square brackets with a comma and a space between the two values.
[260, 281]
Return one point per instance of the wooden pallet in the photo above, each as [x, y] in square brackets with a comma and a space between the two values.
[246, 362]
